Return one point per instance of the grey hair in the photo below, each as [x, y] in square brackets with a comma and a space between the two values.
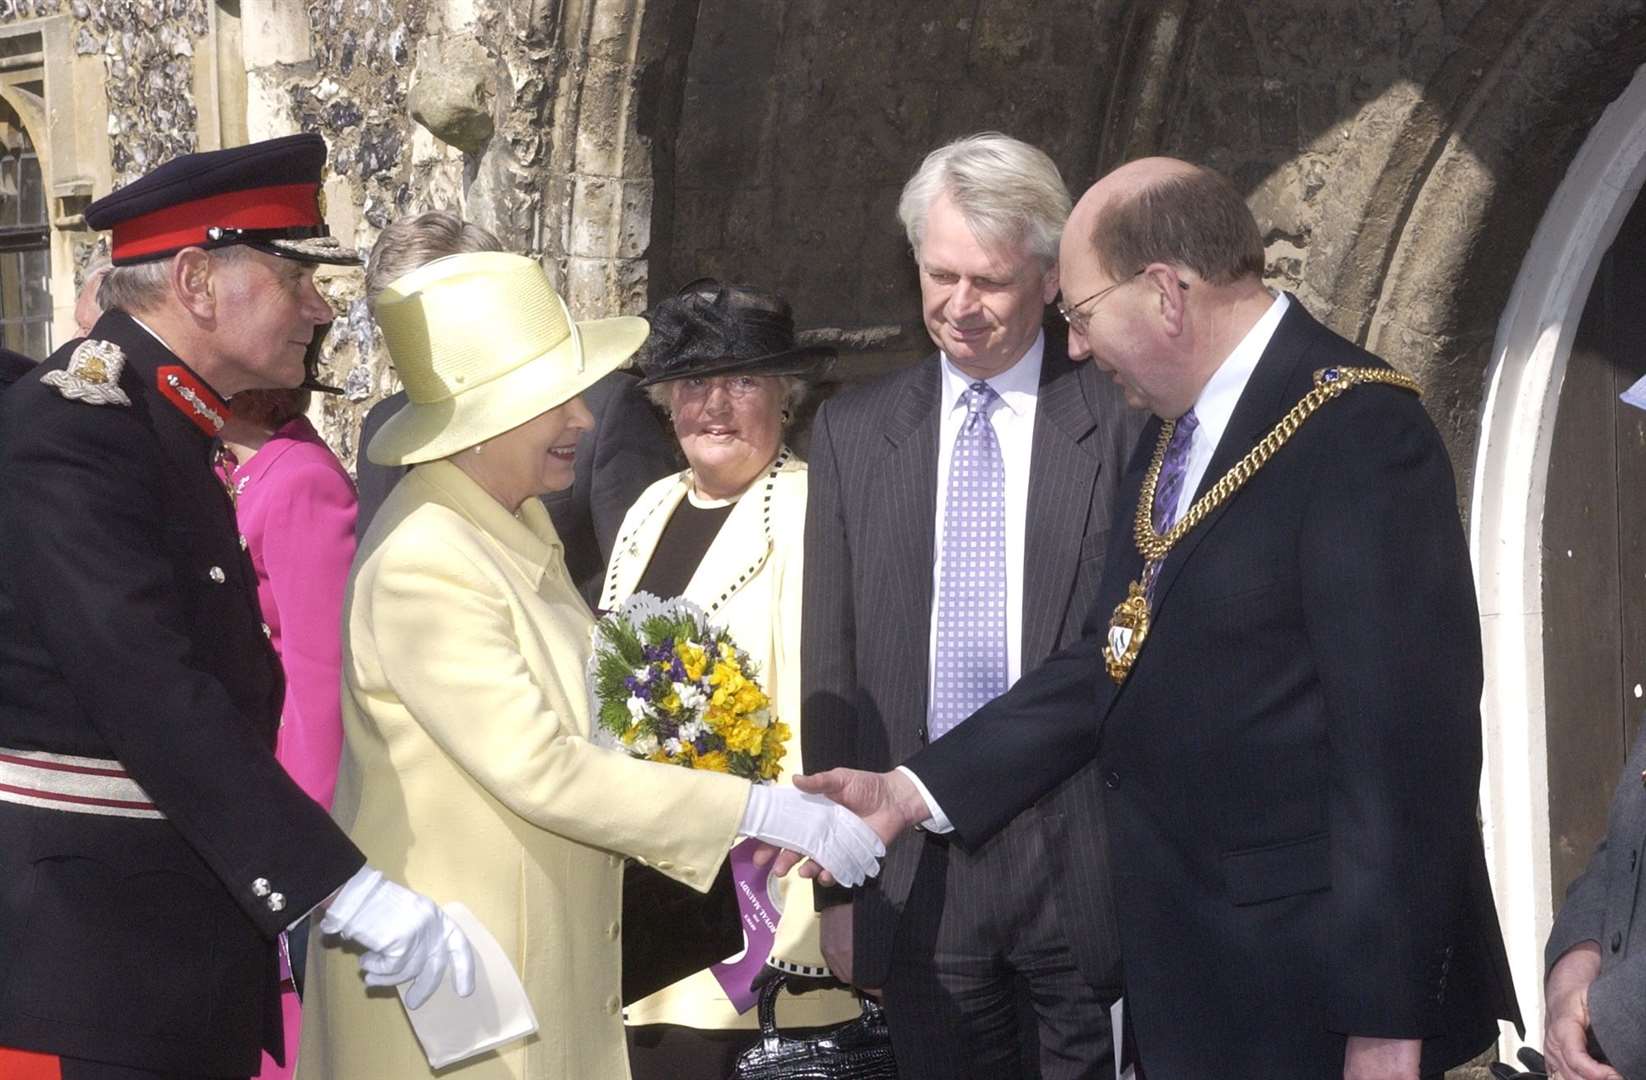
[1009, 193]
[144, 286]
[408, 243]
[792, 387]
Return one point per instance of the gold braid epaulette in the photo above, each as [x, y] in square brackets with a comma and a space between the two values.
[1329, 383]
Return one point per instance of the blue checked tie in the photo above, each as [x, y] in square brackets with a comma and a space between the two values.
[971, 589]
[1174, 468]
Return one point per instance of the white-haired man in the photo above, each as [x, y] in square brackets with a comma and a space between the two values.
[954, 538]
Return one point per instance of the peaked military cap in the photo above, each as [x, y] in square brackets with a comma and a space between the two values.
[266, 195]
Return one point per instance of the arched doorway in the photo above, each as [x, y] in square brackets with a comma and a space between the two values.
[1530, 357]
[1594, 558]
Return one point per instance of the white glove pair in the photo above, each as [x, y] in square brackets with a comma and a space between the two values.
[406, 935]
[818, 828]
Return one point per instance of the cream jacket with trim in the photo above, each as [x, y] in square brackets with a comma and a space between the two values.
[749, 582]
[467, 775]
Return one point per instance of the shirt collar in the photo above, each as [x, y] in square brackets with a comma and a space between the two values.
[1222, 391]
[1017, 386]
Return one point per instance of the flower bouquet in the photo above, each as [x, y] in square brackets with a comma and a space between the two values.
[669, 687]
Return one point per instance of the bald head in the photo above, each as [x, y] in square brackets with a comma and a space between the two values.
[1164, 210]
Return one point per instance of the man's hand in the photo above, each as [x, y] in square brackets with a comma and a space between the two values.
[1366, 1058]
[888, 802]
[1566, 1015]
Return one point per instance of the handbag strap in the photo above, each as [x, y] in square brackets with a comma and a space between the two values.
[871, 1009]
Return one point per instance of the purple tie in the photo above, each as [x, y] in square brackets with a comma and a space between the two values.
[1174, 468]
[971, 590]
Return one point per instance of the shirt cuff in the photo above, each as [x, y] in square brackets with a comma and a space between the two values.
[939, 821]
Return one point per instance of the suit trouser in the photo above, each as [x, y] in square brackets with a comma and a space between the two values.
[982, 981]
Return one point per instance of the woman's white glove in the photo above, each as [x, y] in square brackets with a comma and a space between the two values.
[406, 935]
[824, 831]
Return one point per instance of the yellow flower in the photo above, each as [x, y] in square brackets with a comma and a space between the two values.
[692, 658]
[714, 761]
[745, 737]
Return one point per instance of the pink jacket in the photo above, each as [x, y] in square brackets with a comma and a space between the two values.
[296, 506]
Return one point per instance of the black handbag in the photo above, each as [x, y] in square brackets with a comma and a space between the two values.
[859, 1049]
[671, 930]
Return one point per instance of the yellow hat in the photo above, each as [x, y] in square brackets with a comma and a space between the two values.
[483, 343]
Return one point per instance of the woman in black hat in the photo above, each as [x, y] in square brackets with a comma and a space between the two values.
[726, 533]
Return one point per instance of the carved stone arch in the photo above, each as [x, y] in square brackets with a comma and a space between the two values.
[622, 69]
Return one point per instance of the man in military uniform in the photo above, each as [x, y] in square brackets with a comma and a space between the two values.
[152, 850]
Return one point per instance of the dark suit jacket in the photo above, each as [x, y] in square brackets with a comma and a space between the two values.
[13, 366]
[616, 460]
[1291, 768]
[130, 630]
[866, 615]
[1607, 905]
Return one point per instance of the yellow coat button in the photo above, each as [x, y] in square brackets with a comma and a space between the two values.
[613, 1005]
[664, 864]
[611, 932]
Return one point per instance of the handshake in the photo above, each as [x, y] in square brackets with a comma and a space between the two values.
[836, 824]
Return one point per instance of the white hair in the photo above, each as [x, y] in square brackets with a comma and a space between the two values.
[1009, 193]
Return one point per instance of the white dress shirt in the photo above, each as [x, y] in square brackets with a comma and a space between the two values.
[1213, 408]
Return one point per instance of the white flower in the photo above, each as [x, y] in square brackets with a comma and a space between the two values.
[639, 707]
[691, 695]
[643, 674]
[691, 729]
[645, 745]
[672, 746]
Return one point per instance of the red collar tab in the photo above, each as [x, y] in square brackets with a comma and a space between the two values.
[184, 224]
[191, 397]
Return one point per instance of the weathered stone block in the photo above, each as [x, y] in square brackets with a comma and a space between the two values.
[453, 92]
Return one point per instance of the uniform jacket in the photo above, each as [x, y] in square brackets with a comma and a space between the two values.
[616, 459]
[1291, 768]
[868, 607]
[750, 582]
[129, 631]
[296, 506]
[1607, 905]
[468, 775]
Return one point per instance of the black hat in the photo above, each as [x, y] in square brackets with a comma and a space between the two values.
[266, 195]
[710, 328]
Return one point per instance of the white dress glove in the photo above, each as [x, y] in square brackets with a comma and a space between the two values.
[406, 935]
[824, 831]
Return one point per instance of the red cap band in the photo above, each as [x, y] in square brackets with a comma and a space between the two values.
[177, 227]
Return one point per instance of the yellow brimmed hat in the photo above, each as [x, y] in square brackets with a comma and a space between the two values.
[483, 343]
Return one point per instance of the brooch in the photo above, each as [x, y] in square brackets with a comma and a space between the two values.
[93, 374]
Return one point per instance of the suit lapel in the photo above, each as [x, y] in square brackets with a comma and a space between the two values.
[634, 552]
[1063, 468]
[909, 478]
[1265, 400]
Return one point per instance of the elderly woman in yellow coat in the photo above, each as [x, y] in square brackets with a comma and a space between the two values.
[467, 770]
[723, 362]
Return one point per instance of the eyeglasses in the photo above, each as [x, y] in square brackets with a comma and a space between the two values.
[736, 387]
[1079, 320]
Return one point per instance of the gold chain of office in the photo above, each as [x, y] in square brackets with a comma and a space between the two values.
[1329, 383]
[1129, 626]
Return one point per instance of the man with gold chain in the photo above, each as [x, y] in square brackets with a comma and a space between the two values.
[1279, 684]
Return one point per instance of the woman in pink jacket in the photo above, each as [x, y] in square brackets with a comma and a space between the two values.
[296, 508]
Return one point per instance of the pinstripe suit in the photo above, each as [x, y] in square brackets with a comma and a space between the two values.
[865, 635]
